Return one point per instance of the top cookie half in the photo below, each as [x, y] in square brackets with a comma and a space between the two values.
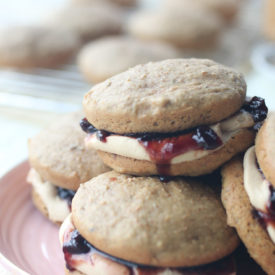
[166, 96]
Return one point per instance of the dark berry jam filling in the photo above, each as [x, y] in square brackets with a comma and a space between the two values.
[257, 108]
[268, 217]
[66, 194]
[207, 138]
[163, 147]
[87, 127]
[75, 244]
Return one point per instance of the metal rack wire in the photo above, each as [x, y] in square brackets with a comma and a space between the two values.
[43, 89]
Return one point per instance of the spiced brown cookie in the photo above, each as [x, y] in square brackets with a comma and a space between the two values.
[111, 55]
[89, 21]
[227, 9]
[147, 222]
[174, 117]
[36, 46]
[126, 3]
[248, 220]
[189, 26]
[59, 164]
[265, 150]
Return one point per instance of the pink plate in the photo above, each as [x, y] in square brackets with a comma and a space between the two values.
[28, 241]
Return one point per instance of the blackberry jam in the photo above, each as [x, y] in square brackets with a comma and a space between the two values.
[207, 138]
[66, 194]
[257, 108]
[87, 127]
[76, 245]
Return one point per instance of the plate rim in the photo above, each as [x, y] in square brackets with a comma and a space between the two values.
[5, 263]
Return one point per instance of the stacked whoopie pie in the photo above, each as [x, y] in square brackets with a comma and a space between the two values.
[59, 164]
[248, 195]
[180, 117]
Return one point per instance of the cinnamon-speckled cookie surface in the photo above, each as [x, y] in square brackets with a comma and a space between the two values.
[166, 96]
[57, 153]
[225, 8]
[265, 149]
[239, 213]
[141, 219]
[89, 21]
[111, 55]
[188, 26]
[36, 46]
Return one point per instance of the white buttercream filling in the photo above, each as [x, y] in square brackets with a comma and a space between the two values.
[57, 208]
[131, 147]
[256, 187]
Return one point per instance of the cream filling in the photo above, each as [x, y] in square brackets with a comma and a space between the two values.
[131, 148]
[256, 187]
[90, 263]
[57, 208]
[96, 264]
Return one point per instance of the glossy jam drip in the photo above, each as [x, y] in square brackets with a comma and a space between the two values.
[264, 219]
[268, 217]
[162, 151]
[207, 138]
[75, 244]
[87, 127]
[257, 108]
[66, 194]
[102, 135]
[271, 202]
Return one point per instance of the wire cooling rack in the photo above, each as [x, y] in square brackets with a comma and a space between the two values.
[43, 89]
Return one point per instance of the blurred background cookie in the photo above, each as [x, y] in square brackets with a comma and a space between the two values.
[126, 3]
[109, 56]
[89, 21]
[36, 46]
[59, 164]
[227, 9]
[187, 26]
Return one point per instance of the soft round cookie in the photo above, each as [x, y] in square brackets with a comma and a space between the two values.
[225, 8]
[165, 97]
[89, 21]
[36, 46]
[239, 215]
[184, 27]
[239, 142]
[181, 223]
[265, 150]
[109, 56]
[119, 2]
[57, 153]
